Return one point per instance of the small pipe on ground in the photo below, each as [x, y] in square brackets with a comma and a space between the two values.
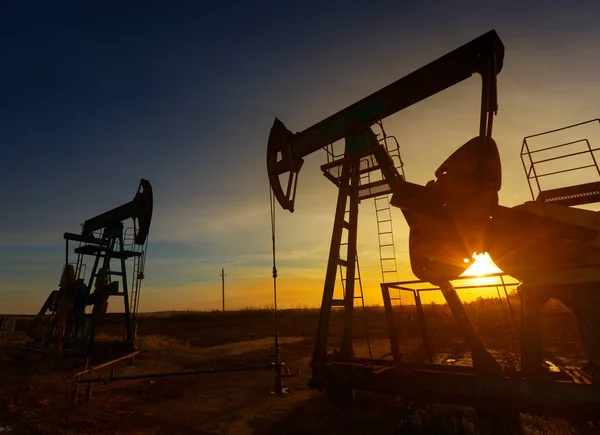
[179, 373]
[88, 370]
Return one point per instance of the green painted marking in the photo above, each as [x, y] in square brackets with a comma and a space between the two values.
[361, 142]
[367, 112]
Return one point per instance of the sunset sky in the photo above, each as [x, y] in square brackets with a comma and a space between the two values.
[96, 95]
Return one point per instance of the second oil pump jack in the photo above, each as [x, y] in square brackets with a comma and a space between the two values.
[548, 245]
[70, 317]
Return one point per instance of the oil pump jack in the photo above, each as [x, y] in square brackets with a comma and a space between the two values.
[104, 238]
[550, 247]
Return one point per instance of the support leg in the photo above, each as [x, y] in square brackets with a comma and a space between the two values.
[584, 303]
[483, 361]
[88, 393]
[531, 341]
[423, 326]
[389, 314]
[75, 390]
[346, 348]
[128, 327]
[320, 351]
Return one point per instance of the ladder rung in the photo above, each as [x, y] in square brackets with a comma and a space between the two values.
[346, 224]
[338, 303]
[384, 221]
[388, 258]
[342, 262]
[381, 209]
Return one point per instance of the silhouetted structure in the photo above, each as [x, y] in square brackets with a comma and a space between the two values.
[545, 244]
[63, 321]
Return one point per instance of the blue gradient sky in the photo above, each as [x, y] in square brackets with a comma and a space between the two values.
[96, 95]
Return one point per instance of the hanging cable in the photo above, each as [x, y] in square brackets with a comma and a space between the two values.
[278, 364]
[272, 204]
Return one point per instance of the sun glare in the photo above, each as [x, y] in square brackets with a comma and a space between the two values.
[483, 265]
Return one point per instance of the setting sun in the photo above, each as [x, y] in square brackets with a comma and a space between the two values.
[483, 265]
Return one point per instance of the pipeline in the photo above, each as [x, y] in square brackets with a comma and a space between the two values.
[111, 378]
[86, 371]
[81, 377]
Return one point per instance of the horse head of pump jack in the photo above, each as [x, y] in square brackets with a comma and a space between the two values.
[450, 218]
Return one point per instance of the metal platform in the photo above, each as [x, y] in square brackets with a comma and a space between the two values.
[372, 182]
[581, 194]
[101, 251]
[561, 165]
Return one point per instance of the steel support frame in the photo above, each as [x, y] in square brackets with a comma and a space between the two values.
[348, 192]
[531, 391]
[461, 386]
[531, 339]
[483, 361]
[423, 327]
[112, 235]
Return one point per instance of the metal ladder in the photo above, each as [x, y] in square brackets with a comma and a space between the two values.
[134, 287]
[385, 235]
[387, 257]
[80, 267]
[137, 276]
[357, 286]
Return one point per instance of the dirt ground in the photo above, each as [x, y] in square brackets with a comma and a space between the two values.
[35, 398]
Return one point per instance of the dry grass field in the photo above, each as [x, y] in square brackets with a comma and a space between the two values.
[35, 399]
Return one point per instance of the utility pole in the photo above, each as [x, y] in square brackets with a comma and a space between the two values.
[223, 287]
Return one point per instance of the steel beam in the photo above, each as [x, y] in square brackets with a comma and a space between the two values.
[552, 398]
